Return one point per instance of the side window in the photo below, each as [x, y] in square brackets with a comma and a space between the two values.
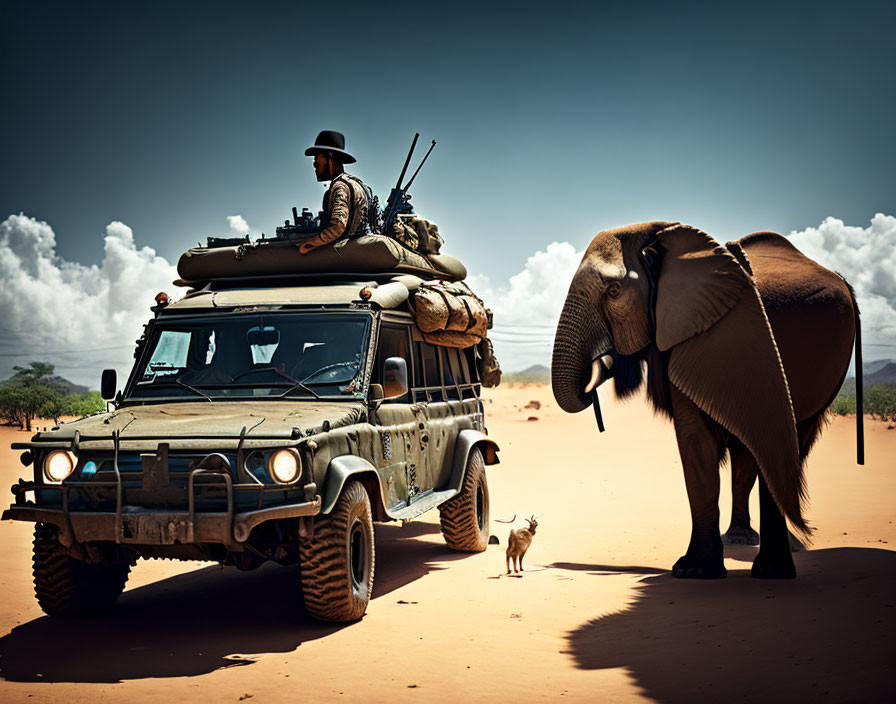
[450, 371]
[469, 362]
[430, 365]
[393, 342]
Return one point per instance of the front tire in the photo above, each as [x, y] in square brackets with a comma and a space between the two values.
[464, 518]
[338, 561]
[65, 586]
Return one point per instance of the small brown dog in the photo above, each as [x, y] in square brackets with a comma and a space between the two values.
[517, 544]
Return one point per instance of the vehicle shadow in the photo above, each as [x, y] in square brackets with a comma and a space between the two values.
[201, 621]
[828, 635]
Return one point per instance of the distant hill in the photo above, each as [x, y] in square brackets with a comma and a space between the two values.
[536, 374]
[63, 386]
[881, 371]
[876, 365]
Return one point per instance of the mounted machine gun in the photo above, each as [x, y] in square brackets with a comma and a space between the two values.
[399, 201]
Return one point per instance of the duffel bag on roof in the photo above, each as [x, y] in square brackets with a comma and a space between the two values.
[365, 255]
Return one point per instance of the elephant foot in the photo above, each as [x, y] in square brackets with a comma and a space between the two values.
[773, 567]
[689, 567]
[740, 535]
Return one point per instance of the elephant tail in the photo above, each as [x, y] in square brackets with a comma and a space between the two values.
[860, 418]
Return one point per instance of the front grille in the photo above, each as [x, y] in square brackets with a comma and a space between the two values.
[209, 497]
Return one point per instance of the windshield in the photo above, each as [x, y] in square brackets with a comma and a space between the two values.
[285, 355]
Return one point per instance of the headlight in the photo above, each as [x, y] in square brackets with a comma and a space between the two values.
[284, 466]
[59, 464]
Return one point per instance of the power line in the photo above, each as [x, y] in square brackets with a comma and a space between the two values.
[43, 353]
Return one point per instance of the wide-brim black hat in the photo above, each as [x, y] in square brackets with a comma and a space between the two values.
[332, 142]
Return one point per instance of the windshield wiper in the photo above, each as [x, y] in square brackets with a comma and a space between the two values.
[296, 383]
[299, 385]
[187, 386]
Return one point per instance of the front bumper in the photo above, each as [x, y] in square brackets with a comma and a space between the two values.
[149, 525]
[142, 526]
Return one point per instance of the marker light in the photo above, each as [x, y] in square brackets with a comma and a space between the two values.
[284, 466]
[59, 464]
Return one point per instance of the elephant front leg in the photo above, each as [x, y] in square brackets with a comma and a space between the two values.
[774, 560]
[744, 471]
[700, 444]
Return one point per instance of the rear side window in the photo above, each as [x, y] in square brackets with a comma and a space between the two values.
[445, 372]
[430, 365]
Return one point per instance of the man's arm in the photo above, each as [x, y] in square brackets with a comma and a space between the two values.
[339, 209]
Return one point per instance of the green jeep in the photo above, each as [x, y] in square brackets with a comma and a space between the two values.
[263, 423]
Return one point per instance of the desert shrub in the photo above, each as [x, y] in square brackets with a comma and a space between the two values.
[879, 402]
[844, 404]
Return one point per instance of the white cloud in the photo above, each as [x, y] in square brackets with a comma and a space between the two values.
[866, 257]
[85, 318]
[238, 225]
[528, 306]
[80, 318]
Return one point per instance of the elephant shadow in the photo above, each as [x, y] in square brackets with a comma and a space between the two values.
[203, 620]
[828, 635]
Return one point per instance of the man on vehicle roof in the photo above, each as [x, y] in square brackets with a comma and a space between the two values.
[346, 201]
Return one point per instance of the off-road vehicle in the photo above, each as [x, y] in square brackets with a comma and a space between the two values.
[263, 420]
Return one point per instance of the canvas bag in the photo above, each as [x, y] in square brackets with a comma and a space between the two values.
[441, 306]
[489, 369]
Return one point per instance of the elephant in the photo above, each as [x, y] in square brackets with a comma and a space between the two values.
[744, 348]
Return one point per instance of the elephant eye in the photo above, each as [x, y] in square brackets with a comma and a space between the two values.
[614, 289]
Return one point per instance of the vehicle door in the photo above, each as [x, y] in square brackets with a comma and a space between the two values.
[401, 456]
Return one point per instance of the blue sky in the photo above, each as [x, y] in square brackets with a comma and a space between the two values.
[552, 122]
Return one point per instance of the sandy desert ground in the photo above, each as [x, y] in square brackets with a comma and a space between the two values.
[595, 617]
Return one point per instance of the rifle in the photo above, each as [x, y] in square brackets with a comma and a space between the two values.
[399, 199]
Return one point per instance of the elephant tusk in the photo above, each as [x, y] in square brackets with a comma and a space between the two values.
[600, 372]
[595, 376]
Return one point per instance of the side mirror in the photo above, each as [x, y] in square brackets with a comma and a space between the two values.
[395, 377]
[376, 393]
[108, 384]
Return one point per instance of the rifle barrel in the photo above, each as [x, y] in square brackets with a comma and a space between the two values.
[421, 165]
[407, 161]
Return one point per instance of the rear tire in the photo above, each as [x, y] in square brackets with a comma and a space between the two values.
[65, 586]
[338, 561]
[464, 518]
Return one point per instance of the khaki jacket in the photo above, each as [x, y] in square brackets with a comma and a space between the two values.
[345, 207]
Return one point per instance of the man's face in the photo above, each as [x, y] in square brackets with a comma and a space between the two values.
[324, 166]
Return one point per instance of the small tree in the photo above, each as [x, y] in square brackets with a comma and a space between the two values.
[83, 405]
[35, 374]
[12, 404]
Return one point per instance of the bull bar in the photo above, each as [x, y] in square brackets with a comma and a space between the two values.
[153, 526]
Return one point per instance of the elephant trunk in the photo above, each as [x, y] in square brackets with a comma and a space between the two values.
[581, 341]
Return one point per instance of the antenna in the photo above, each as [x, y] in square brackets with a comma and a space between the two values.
[421, 163]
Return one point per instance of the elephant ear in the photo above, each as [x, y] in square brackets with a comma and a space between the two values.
[701, 280]
[725, 359]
